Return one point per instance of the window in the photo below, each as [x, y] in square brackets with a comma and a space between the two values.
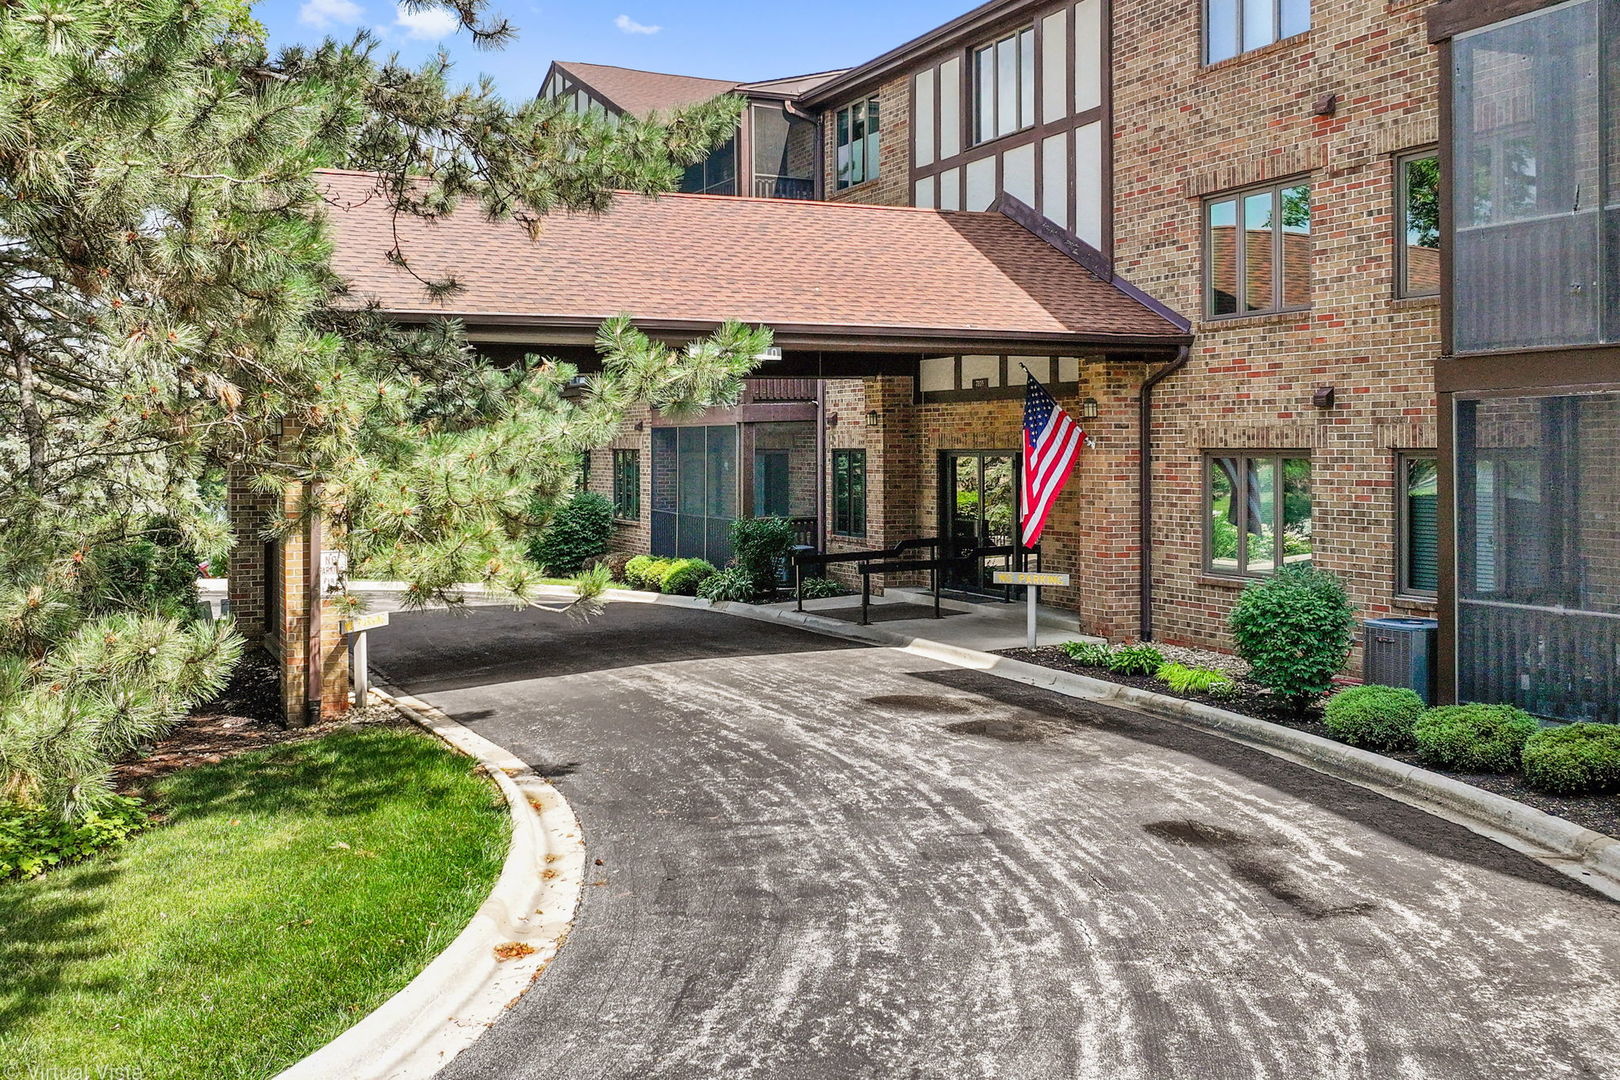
[1536, 199]
[1236, 26]
[1257, 513]
[1417, 224]
[584, 479]
[849, 492]
[627, 484]
[858, 139]
[1252, 266]
[1004, 86]
[715, 174]
[1418, 544]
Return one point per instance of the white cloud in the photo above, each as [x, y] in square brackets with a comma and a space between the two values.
[326, 13]
[428, 24]
[630, 26]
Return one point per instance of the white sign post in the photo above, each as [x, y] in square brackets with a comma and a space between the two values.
[1032, 589]
[355, 630]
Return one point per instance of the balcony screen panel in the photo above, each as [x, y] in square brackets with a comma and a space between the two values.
[1538, 553]
[1529, 232]
[784, 146]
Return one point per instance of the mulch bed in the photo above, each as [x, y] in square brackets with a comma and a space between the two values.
[1600, 813]
[246, 716]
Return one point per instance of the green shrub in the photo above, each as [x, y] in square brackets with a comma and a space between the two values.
[758, 546]
[1578, 759]
[1376, 717]
[1193, 680]
[1135, 660]
[578, 533]
[155, 573]
[684, 576]
[820, 588]
[1294, 630]
[1474, 738]
[1088, 653]
[616, 561]
[34, 839]
[733, 583]
[637, 570]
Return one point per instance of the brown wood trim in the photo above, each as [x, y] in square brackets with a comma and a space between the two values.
[985, 20]
[1106, 196]
[1446, 557]
[1088, 257]
[1538, 369]
[1449, 18]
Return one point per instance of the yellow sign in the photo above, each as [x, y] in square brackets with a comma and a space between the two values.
[1013, 577]
[361, 623]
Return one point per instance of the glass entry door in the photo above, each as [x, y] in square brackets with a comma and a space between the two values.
[978, 509]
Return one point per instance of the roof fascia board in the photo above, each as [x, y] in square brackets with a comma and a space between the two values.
[979, 20]
[1033, 221]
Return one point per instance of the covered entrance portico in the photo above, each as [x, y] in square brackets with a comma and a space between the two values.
[914, 328]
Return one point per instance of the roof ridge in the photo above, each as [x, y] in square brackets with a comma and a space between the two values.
[649, 71]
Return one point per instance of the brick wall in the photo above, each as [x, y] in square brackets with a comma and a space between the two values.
[892, 186]
[631, 536]
[1183, 131]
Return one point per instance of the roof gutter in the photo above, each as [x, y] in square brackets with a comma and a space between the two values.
[1144, 426]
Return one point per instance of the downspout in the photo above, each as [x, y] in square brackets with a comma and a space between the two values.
[1144, 426]
[821, 465]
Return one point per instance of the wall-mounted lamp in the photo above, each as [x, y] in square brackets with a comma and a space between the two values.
[1089, 408]
[641, 425]
[874, 418]
[1322, 397]
[832, 419]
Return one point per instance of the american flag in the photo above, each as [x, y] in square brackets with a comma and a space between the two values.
[1052, 442]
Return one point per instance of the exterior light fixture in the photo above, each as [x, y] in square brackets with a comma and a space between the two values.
[1089, 408]
[576, 388]
[1323, 397]
[874, 418]
[832, 419]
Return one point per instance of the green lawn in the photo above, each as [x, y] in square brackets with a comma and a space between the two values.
[291, 892]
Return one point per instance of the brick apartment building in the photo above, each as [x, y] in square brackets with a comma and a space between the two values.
[1213, 230]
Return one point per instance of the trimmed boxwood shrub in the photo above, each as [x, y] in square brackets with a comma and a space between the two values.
[578, 534]
[733, 583]
[646, 572]
[683, 576]
[1474, 738]
[1579, 759]
[1376, 717]
[1294, 630]
[1135, 660]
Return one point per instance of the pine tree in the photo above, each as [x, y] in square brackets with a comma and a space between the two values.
[167, 311]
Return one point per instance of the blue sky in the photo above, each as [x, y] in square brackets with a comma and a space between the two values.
[742, 41]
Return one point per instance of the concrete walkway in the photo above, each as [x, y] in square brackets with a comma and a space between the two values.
[829, 862]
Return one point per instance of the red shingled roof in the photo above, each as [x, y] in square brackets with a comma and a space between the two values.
[642, 93]
[832, 269]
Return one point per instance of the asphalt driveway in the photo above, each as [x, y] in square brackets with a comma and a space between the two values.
[830, 862]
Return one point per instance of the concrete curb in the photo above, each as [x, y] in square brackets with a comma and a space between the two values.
[465, 989]
[1589, 857]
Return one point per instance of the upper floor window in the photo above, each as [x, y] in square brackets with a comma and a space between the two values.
[1236, 26]
[1417, 224]
[858, 137]
[1257, 251]
[1004, 86]
[1536, 198]
[715, 174]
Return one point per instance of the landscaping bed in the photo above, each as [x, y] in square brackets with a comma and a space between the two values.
[1600, 813]
[295, 882]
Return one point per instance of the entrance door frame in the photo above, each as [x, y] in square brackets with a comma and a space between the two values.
[945, 472]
